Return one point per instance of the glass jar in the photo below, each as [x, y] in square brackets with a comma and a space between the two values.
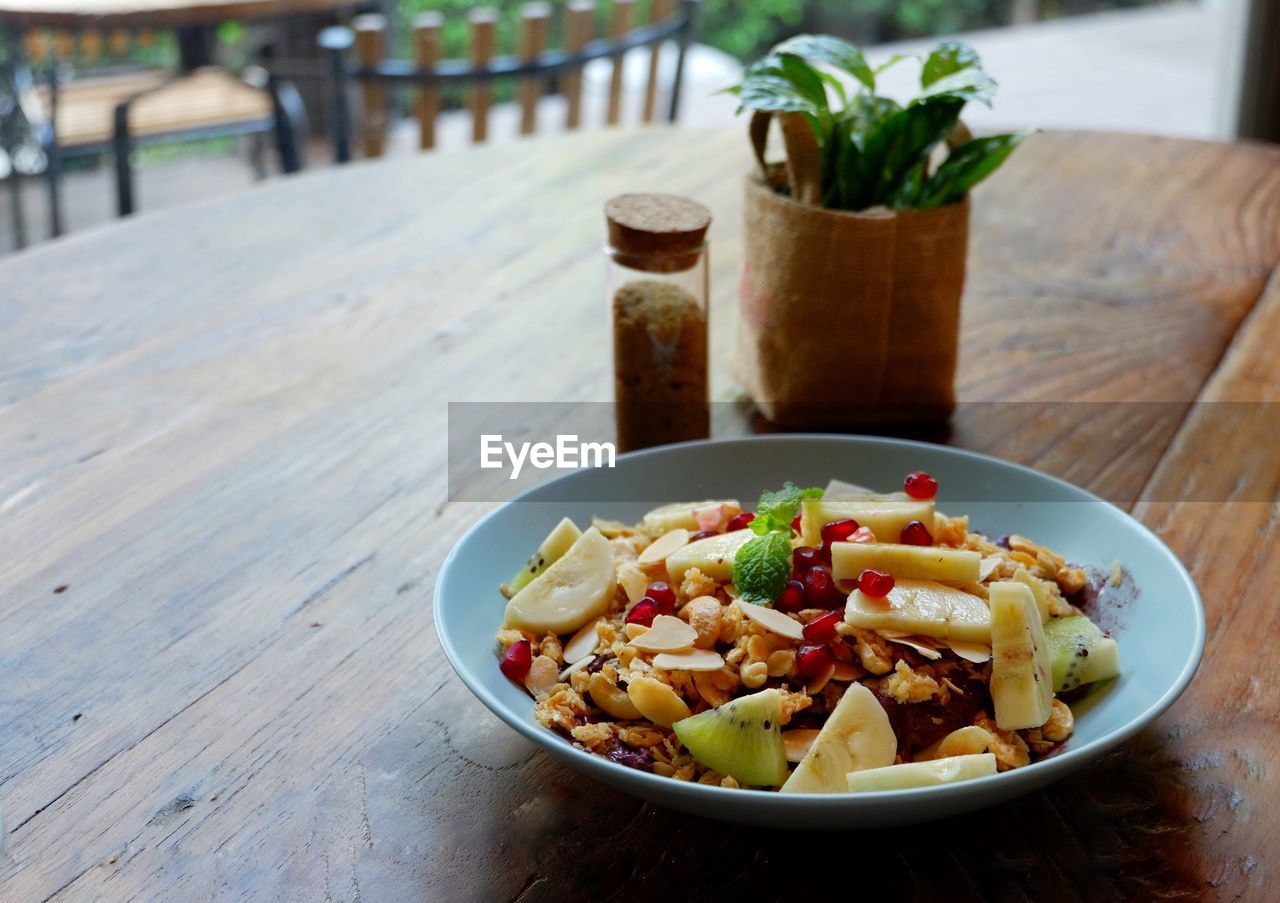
[657, 290]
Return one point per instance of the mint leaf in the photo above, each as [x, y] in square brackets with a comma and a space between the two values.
[762, 566]
[776, 510]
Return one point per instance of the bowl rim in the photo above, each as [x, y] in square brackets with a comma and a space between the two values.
[1068, 760]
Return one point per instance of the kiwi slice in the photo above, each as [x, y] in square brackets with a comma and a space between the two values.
[558, 541]
[1080, 652]
[742, 738]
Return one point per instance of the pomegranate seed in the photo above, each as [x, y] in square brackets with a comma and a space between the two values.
[740, 522]
[803, 558]
[822, 629]
[838, 530]
[875, 584]
[916, 534]
[862, 534]
[795, 524]
[919, 485]
[813, 660]
[664, 595]
[820, 590]
[643, 612]
[516, 660]
[792, 598]
[703, 534]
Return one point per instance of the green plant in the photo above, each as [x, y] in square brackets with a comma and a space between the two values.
[875, 151]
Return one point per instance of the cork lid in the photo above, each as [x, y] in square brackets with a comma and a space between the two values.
[656, 232]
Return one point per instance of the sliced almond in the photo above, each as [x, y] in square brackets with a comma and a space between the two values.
[820, 680]
[582, 643]
[919, 644]
[634, 581]
[612, 528]
[847, 672]
[987, 566]
[542, 676]
[634, 631]
[577, 666]
[798, 741]
[970, 652]
[689, 660]
[772, 620]
[668, 634]
[657, 551]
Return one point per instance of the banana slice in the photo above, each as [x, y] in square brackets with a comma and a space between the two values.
[884, 518]
[574, 590]
[857, 735]
[849, 559]
[713, 556]
[922, 774]
[1021, 669]
[683, 515]
[1038, 590]
[923, 607]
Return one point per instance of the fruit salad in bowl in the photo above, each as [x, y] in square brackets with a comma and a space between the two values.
[832, 640]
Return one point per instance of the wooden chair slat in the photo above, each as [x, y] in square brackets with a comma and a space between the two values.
[618, 26]
[91, 43]
[535, 20]
[35, 42]
[371, 31]
[64, 44]
[426, 54]
[483, 36]
[577, 32]
[660, 11]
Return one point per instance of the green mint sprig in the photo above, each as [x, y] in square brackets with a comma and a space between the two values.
[762, 566]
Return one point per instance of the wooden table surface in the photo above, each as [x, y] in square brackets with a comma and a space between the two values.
[150, 13]
[223, 508]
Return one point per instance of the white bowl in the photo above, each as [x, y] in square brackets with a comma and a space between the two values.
[1160, 629]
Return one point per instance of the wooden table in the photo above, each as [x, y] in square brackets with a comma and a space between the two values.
[223, 496]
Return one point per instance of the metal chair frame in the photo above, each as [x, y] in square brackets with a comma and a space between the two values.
[288, 124]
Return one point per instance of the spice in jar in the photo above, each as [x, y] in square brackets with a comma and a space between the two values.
[658, 293]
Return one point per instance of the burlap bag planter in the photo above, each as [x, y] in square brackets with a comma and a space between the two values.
[848, 319]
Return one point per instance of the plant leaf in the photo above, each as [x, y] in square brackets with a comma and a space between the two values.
[902, 143]
[762, 566]
[892, 61]
[947, 58]
[782, 84]
[833, 51]
[966, 166]
[962, 85]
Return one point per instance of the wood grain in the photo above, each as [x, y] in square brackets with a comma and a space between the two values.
[222, 486]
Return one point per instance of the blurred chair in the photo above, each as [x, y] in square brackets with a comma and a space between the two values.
[531, 66]
[72, 105]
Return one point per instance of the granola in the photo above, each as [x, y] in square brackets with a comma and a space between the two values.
[896, 624]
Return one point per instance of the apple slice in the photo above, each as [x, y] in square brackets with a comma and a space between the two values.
[683, 515]
[840, 491]
[856, 735]
[849, 559]
[574, 590]
[922, 774]
[923, 607]
[561, 538]
[713, 556]
[884, 518]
